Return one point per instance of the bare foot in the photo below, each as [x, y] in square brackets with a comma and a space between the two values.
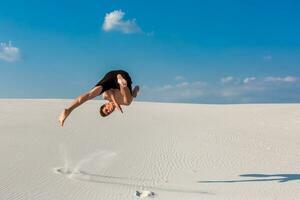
[121, 80]
[135, 91]
[64, 114]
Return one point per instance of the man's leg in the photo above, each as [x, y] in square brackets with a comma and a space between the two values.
[78, 101]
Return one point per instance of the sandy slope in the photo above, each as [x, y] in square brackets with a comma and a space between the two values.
[177, 151]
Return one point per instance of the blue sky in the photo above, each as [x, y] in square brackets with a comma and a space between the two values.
[177, 51]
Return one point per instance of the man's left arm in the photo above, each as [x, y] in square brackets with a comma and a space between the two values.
[127, 97]
[113, 99]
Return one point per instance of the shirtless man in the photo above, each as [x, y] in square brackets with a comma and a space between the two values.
[115, 87]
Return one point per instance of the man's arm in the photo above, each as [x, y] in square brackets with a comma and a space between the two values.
[111, 95]
[127, 97]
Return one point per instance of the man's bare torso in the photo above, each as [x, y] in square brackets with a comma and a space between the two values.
[118, 96]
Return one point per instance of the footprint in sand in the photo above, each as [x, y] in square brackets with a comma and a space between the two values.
[63, 170]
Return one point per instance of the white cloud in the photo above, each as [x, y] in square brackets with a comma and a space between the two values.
[183, 91]
[230, 79]
[281, 79]
[182, 85]
[164, 88]
[114, 21]
[255, 89]
[261, 81]
[179, 78]
[229, 92]
[239, 90]
[249, 79]
[227, 79]
[9, 53]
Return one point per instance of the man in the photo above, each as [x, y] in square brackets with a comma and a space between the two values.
[115, 87]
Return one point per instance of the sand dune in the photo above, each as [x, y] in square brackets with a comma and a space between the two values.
[152, 151]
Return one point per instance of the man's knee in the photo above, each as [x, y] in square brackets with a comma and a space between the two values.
[121, 80]
[83, 98]
[91, 95]
[94, 92]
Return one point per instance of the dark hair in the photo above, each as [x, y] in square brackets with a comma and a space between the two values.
[101, 111]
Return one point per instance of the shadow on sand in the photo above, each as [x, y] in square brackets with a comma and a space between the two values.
[135, 182]
[280, 178]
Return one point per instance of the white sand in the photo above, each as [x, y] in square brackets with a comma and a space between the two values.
[176, 151]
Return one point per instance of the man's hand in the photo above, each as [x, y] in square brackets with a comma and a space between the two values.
[119, 107]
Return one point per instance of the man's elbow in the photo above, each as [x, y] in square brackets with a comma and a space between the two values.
[127, 103]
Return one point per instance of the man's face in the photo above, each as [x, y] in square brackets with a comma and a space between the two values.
[108, 108]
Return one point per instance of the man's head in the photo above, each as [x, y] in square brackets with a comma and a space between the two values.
[107, 108]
